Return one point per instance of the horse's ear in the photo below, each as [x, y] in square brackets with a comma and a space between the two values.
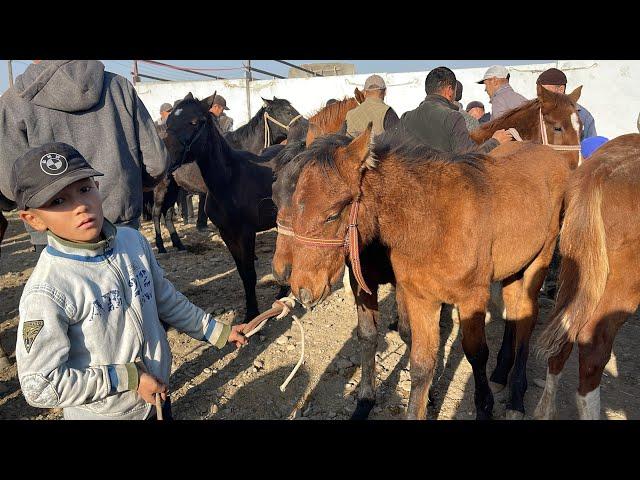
[313, 132]
[355, 156]
[575, 95]
[547, 98]
[188, 96]
[208, 102]
[274, 98]
[359, 95]
[266, 102]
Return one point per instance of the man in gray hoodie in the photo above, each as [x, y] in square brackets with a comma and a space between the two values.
[100, 114]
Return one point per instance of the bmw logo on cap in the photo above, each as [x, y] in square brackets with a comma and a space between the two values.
[53, 164]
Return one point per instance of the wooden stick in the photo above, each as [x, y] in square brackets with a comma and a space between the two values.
[158, 407]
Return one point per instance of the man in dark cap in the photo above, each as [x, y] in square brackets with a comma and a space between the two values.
[476, 110]
[438, 123]
[373, 109]
[222, 121]
[556, 81]
[471, 122]
[165, 110]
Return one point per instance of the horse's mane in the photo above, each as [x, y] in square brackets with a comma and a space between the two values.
[333, 113]
[248, 129]
[486, 130]
[412, 153]
[396, 143]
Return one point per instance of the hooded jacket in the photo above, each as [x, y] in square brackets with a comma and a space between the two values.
[96, 112]
[88, 312]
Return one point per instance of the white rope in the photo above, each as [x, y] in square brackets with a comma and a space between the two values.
[300, 361]
[267, 130]
[289, 304]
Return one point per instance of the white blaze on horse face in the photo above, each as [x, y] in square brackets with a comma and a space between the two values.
[546, 409]
[589, 405]
[575, 121]
[178, 112]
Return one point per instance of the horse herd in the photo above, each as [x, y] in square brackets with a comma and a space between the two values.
[440, 227]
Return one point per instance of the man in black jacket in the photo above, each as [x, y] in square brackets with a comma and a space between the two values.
[438, 123]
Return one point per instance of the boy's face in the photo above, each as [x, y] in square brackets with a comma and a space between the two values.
[74, 213]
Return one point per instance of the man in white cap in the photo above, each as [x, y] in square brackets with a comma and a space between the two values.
[373, 109]
[501, 96]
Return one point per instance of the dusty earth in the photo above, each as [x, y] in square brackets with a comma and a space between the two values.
[207, 383]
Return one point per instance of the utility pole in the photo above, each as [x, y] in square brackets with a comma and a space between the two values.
[136, 78]
[10, 69]
[248, 88]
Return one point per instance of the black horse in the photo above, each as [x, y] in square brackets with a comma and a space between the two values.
[272, 122]
[238, 183]
[5, 205]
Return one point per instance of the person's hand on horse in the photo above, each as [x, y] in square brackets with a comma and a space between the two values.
[149, 386]
[503, 136]
[236, 335]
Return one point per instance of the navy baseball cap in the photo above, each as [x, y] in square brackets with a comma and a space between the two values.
[43, 171]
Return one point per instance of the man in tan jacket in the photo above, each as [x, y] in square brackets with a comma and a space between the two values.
[373, 109]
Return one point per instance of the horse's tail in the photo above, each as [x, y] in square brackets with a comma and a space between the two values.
[584, 268]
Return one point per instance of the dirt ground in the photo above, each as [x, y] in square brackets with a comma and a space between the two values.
[207, 383]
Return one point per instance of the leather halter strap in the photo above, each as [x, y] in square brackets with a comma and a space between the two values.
[350, 243]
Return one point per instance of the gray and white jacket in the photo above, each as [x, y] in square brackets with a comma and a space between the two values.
[88, 312]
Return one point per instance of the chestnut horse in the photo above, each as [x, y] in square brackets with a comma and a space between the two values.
[599, 289]
[330, 118]
[554, 108]
[450, 223]
[376, 266]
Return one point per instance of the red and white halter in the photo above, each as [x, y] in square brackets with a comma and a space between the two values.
[349, 243]
[545, 139]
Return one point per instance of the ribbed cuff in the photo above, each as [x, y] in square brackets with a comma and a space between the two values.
[217, 333]
[123, 377]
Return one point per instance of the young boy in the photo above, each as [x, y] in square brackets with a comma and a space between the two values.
[90, 339]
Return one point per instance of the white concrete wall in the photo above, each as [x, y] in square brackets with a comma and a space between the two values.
[611, 91]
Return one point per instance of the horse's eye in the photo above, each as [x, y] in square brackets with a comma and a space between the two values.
[194, 122]
[557, 129]
[331, 218]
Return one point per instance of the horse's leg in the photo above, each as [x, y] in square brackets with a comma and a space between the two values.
[526, 317]
[189, 199]
[474, 343]
[546, 408]
[182, 201]
[157, 211]
[618, 302]
[3, 228]
[367, 308]
[168, 221]
[242, 246]
[423, 315]
[511, 292]
[201, 223]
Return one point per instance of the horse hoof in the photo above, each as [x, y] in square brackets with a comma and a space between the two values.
[514, 415]
[483, 416]
[393, 326]
[363, 408]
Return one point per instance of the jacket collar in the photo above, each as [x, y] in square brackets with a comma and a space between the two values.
[83, 251]
[502, 89]
[373, 100]
[435, 98]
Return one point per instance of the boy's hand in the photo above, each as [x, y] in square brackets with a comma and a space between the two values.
[149, 386]
[236, 336]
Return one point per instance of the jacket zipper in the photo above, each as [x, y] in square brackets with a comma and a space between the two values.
[137, 321]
